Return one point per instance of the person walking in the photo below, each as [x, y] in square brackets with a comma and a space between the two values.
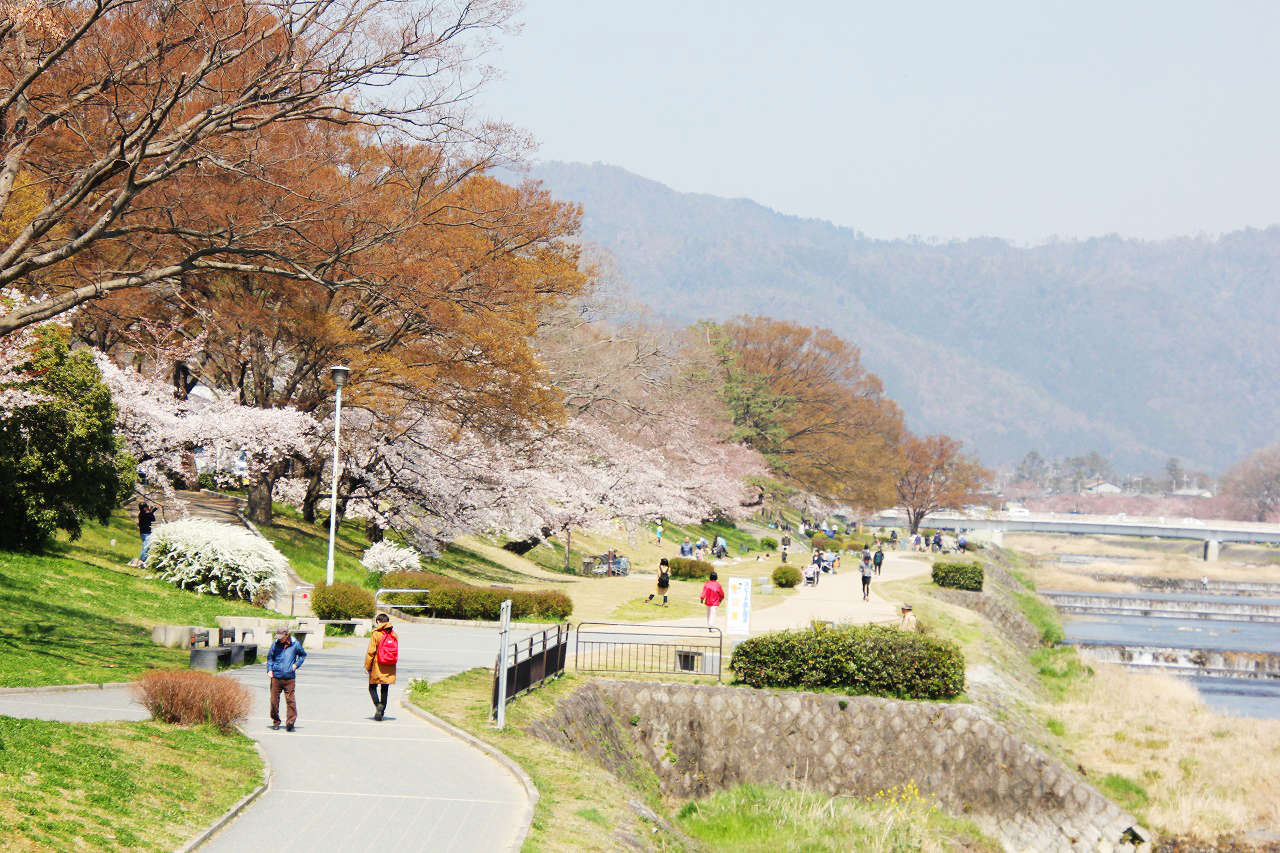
[712, 595]
[283, 659]
[877, 559]
[146, 518]
[866, 579]
[686, 548]
[664, 580]
[380, 662]
[786, 546]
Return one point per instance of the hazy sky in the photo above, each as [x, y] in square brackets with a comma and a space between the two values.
[948, 119]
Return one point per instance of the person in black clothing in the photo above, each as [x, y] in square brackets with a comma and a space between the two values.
[664, 582]
[146, 517]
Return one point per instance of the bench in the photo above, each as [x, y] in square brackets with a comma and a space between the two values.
[210, 658]
[358, 627]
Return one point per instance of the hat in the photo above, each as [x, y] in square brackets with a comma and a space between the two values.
[906, 607]
[282, 632]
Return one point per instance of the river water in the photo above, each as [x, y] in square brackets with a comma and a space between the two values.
[1242, 696]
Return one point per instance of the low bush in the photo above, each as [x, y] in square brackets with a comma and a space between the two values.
[768, 543]
[870, 660]
[192, 698]
[958, 575]
[786, 576]
[449, 598]
[205, 481]
[384, 556]
[822, 540]
[218, 559]
[342, 601]
[685, 569]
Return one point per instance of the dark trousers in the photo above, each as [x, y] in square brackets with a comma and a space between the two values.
[373, 694]
[291, 707]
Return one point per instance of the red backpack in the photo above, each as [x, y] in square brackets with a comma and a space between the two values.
[389, 649]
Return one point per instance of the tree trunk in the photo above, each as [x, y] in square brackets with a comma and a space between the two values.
[568, 542]
[372, 530]
[315, 492]
[259, 509]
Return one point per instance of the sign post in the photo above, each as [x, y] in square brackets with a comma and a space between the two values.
[504, 636]
[739, 606]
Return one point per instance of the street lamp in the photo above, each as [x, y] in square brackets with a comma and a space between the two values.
[339, 379]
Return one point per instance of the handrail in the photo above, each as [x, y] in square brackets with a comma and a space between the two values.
[293, 595]
[388, 605]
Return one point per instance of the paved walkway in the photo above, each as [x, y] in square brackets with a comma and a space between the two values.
[342, 781]
[836, 598]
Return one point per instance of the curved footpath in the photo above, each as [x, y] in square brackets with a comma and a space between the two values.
[341, 781]
[836, 598]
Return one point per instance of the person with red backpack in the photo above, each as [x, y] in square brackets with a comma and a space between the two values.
[380, 662]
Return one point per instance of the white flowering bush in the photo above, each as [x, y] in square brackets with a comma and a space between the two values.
[212, 558]
[383, 557]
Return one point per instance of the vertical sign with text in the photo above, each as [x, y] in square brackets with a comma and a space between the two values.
[739, 605]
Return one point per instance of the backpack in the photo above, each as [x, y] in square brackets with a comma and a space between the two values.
[389, 650]
[664, 579]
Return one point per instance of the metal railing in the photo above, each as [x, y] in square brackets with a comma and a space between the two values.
[293, 596]
[379, 604]
[530, 662]
[648, 649]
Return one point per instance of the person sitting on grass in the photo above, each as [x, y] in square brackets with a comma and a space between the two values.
[664, 581]
[908, 622]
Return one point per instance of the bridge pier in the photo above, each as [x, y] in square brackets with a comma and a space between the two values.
[1211, 549]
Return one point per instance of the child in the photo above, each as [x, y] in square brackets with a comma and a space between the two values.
[664, 582]
[712, 595]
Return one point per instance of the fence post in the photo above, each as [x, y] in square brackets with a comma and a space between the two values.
[503, 638]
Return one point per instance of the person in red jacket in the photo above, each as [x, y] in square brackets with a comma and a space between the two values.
[712, 595]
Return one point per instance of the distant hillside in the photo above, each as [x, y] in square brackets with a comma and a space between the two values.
[1140, 350]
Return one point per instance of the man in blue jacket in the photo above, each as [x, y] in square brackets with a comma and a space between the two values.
[283, 659]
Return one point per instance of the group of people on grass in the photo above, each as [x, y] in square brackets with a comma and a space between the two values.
[286, 655]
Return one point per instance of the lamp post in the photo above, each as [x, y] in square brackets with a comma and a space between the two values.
[339, 379]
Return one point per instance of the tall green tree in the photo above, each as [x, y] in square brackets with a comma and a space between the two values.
[60, 460]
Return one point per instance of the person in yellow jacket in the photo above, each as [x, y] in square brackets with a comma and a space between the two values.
[380, 662]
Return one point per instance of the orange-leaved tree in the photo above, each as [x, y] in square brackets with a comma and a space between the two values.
[933, 473]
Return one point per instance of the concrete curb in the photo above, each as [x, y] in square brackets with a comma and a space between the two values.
[235, 810]
[63, 688]
[526, 820]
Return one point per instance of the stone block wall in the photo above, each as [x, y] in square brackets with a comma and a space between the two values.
[700, 739]
[997, 609]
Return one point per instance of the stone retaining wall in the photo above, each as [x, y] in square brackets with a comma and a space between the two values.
[700, 739]
[1011, 622]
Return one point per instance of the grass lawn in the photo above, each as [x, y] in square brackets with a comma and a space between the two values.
[307, 546]
[116, 786]
[79, 614]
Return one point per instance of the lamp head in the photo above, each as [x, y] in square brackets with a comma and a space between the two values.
[339, 372]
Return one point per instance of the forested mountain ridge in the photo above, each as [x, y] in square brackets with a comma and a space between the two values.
[1141, 350]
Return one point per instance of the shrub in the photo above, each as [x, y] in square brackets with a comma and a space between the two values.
[821, 540]
[685, 569]
[205, 481]
[768, 543]
[870, 660]
[958, 575]
[191, 698]
[383, 557]
[449, 598]
[786, 576]
[342, 601]
[215, 558]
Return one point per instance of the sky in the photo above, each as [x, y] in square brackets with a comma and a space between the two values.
[1022, 120]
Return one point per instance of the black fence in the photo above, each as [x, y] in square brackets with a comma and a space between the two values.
[532, 661]
[648, 649]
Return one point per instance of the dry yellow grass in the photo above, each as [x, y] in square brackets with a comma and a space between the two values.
[1239, 562]
[1205, 773]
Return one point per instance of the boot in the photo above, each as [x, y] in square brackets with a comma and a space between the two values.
[377, 714]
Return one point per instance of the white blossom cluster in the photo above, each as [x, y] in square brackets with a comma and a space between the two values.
[383, 557]
[209, 557]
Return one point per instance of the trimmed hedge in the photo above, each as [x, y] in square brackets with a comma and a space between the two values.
[768, 543]
[449, 598]
[958, 575]
[686, 569]
[786, 576]
[342, 601]
[861, 660]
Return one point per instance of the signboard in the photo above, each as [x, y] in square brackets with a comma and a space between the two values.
[739, 606]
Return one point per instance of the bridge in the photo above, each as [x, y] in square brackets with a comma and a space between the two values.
[994, 524]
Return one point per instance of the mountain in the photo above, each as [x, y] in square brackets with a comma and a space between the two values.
[1141, 350]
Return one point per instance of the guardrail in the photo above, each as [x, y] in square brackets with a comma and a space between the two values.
[530, 662]
[378, 604]
[650, 649]
[294, 595]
